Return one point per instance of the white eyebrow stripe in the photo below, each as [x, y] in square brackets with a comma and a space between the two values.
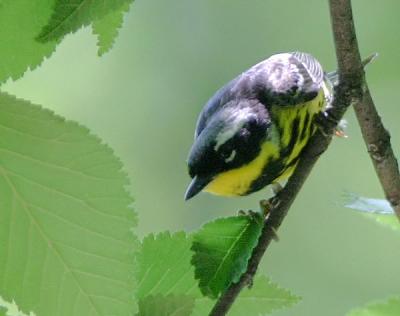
[240, 118]
[224, 136]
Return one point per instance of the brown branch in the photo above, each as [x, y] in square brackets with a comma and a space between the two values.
[377, 139]
[350, 88]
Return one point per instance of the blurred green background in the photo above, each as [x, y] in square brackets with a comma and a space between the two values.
[143, 99]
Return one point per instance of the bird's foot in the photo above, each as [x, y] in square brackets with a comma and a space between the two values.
[249, 213]
[266, 207]
[325, 122]
[340, 130]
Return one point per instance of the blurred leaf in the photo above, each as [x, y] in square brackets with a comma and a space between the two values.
[377, 209]
[11, 309]
[20, 22]
[263, 298]
[222, 249]
[390, 221]
[164, 266]
[169, 305]
[107, 28]
[377, 206]
[71, 15]
[65, 216]
[390, 307]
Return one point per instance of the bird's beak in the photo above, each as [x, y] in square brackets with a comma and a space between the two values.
[198, 183]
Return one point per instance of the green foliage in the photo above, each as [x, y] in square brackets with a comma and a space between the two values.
[20, 22]
[69, 16]
[262, 299]
[164, 266]
[11, 309]
[390, 307]
[222, 249]
[107, 28]
[380, 211]
[169, 305]
[65, 241]
[376, 209]
[390, 221]
[165, 274]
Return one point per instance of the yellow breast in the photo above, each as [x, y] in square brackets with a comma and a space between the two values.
[237, 182]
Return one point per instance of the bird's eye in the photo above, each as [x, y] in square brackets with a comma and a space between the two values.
[231, 156]
[227, 152]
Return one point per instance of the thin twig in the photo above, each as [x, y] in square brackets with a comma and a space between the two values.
[377, 139]
[350, 88]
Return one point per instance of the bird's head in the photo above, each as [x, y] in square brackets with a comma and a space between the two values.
[231, 138]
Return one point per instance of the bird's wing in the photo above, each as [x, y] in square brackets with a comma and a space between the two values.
[283, 79]
[287, 79]
[213, 105]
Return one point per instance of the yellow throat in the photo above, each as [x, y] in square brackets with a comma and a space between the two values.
[238, 182]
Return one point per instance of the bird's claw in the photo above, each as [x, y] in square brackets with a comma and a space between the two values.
[340, 129]
[249, 213]
[265, 207]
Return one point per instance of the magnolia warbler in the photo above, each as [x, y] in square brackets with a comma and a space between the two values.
[251, 132]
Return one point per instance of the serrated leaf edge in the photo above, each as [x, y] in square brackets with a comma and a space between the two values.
[246, 258]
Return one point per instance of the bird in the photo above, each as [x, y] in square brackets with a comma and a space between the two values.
[251, 132]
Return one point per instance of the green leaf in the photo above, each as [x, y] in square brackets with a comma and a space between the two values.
[20, 22]
[165, 274]
[66, 241]
[169, 305]
[164, 266]
[107, 28]
[376, 209]
[222, 249]
[71, 15]
[263, 298]
[390, 307]
[11, 309]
